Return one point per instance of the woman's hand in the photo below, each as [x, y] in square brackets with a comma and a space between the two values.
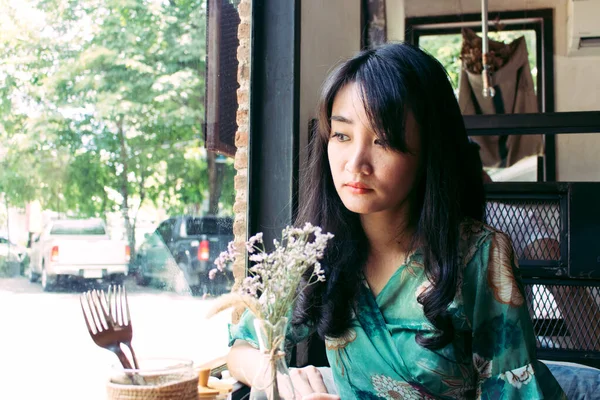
[308, 384]
[321, 396]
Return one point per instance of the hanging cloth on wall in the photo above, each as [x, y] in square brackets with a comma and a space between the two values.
[515, 94]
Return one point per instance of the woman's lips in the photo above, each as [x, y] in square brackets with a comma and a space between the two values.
[357, 187]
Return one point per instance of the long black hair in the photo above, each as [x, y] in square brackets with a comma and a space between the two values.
[393, 80]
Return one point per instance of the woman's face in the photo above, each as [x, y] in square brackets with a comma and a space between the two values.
[368, 177]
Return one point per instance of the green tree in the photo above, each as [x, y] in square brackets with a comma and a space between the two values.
[104, 97]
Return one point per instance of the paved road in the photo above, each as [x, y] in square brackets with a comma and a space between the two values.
[46, 351]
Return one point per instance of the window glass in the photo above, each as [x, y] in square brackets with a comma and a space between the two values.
[102, 132]
[164, 230]
[446, 48]
[78, 227]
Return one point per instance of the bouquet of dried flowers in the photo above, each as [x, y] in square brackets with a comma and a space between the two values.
[275, 276]
[270, 293]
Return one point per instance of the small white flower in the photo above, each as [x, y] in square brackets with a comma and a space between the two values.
[277, 274]
[222, 260]
[251, 244]
[257, 257]
[231, 249]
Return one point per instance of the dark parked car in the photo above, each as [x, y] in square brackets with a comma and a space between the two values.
[181, 253]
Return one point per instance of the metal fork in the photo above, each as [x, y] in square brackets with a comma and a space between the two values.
[100, 326]
[119, 312]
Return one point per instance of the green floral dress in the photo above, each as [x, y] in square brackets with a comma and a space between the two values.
[491, 357]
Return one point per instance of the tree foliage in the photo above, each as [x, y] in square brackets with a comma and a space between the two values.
[102, 104]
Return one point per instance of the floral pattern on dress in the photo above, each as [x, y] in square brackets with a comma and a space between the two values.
[483, 369]
[422, 288]
[409, 272]
[459, 284]
[457, 387]
[390, 389]
[470, 233]
[339, 343]
[501, 277]
[519, 377]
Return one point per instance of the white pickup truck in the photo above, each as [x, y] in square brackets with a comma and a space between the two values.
[77, 249]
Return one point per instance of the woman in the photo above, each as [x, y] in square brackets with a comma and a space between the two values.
[422, 300]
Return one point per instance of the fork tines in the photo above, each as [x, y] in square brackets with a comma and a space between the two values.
[94, 310]
[119, 307]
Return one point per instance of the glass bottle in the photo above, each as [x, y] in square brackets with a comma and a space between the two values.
[272, 380]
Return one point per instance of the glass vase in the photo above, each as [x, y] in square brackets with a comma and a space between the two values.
[272, 380]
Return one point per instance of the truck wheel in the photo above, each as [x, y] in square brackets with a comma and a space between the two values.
[141, 280]
[223, 283]
[48, 282]
[32, 276]
[117, 279]
[197, 290]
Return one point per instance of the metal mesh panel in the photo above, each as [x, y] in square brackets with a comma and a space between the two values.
[563, 296]
[565, 317]
[528, 223]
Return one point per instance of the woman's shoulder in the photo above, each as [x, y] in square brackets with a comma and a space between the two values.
[473, 235]
[472, 228]
[489, 266]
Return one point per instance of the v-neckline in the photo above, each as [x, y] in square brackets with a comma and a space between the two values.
[392, 277]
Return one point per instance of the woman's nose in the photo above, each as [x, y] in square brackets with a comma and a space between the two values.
[359, 162]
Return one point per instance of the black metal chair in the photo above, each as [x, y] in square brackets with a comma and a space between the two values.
[555, 228]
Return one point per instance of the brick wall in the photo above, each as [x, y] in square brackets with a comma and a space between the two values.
[240, 206]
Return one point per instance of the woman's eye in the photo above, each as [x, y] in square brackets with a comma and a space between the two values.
[380, 142]
[340, 136]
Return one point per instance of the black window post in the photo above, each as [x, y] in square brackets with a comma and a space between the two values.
[274, 113]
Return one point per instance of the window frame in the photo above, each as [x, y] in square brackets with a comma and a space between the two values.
[274, 115]
[165, 228]
[541, 21]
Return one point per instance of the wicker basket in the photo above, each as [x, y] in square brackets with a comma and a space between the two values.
[155, 390]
